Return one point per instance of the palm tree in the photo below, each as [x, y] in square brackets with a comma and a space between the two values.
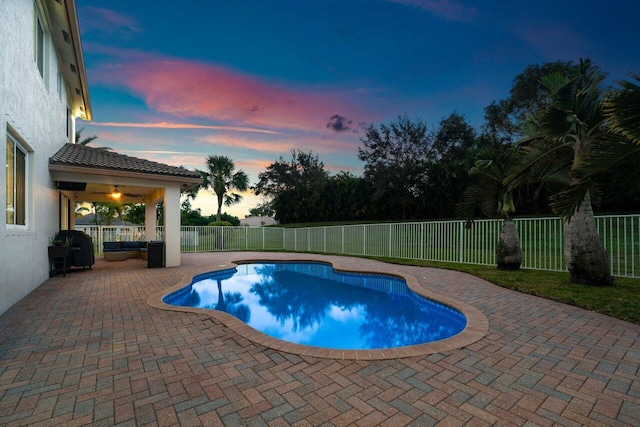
[623, 109]
[84, 141]
[107, 212]
[622, 142]
[79, 211]
[222, 179]
[494, 199]
[87, 140]
[560, 138]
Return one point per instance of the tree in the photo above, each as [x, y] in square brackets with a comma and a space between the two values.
[454, 147]
[561, 136]
[623, 110]
[294, 188]
[223, 181]
[263, 209]
[87, 140]
[347, 198]
[79, 210]
[108, 212]
[135, 213]
[84, 141]
[505, 119]
[619, 186]
[489, 195]
[396, 156]
[233, 220]
[190, 216]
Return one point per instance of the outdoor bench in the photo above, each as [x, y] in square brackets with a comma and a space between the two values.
[119, 251]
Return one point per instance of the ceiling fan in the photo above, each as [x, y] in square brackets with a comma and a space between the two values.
[117, 194]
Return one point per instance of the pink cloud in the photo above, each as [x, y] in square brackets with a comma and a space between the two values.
[269, 146]
[108, 21]
[168, 125]
[184, 88]
[449, 10]
[282, 145]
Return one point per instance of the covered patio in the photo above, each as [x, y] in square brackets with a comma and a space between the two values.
[87, 174]
[87, 349]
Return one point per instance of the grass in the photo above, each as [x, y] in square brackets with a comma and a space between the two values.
[621, 300]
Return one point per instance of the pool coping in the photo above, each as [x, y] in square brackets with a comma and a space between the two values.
[476, 328]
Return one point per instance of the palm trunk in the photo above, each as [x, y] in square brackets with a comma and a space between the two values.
[508, 252]
[219, 213]
[587, 261]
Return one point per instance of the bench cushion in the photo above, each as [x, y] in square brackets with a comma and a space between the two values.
[130, 246]
[111, 246]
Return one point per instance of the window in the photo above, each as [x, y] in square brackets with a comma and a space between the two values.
[17, 164]
[59, 84]
[40, 45]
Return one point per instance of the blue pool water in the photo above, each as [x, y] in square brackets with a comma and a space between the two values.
[312, 304]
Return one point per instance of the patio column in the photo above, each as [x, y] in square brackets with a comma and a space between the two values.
[172, 225]
[150, 215]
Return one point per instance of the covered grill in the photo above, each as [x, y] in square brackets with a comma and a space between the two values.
[81, 254]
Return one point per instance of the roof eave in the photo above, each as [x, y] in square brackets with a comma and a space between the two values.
[190, 181]
[74, 26]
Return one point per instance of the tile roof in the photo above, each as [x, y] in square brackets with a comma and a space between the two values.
[83, 156]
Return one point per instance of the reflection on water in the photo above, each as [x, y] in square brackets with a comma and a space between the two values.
[311, 304]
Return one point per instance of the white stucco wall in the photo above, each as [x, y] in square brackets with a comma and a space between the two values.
[38, 116]
[172, 233]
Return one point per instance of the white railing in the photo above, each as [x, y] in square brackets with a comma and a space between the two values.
[445, 241]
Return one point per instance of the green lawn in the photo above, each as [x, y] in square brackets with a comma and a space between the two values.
[622, 300]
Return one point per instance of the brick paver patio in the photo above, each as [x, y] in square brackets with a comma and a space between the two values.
[88, 349]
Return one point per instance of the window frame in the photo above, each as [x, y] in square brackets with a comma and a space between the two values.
[59, 84]
[41, 40]
[17, 184]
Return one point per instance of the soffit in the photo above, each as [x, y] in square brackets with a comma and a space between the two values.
[65, 33]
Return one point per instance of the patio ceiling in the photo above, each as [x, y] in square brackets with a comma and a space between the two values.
[96, 192]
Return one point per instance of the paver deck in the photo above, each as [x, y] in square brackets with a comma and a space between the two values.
[87, 349]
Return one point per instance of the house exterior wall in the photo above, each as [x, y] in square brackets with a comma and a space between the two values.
[36, 112]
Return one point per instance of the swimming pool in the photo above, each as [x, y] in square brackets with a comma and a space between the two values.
[312, 304]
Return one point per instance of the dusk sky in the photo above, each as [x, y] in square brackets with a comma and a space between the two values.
[175, 82]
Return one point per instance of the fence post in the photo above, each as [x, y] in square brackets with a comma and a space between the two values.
[324, 239]
[364, 240]
[461, 241]
[100, 239]
[422, 240]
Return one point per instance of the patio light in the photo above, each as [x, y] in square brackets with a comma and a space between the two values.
[116, 194]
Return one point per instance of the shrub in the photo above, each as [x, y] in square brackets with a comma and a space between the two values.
[220, 224]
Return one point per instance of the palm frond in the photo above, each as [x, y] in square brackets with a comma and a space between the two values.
[526, 166]
[553, 82]
[605, 154]
[624, 110]
[556, 122]
[566, 202]
[482, 196]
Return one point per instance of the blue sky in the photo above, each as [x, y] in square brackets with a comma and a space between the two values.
[175, 82]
